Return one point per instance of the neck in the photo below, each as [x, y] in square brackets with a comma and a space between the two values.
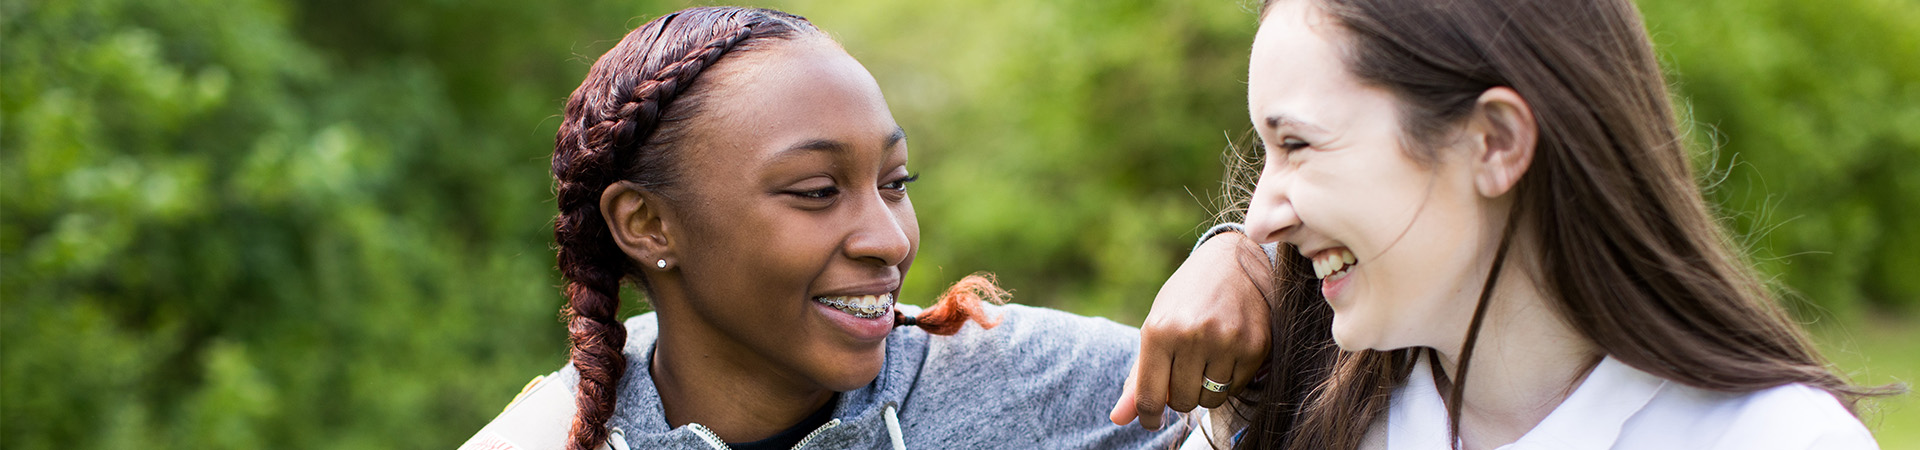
[707, 378]
[1526, 362]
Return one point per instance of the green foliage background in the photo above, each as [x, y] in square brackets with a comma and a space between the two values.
[308, 224]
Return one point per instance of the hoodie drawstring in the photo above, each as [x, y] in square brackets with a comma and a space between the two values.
[706, 434]
[893, 428]
[617, 439]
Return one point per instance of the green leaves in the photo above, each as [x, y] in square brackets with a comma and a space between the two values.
[1080, 141]
[217, 235]
[1809, 113]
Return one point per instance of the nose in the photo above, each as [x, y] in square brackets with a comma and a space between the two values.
[879, 233]
[1270, 215]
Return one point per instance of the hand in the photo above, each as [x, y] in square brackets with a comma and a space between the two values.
[1210, 320]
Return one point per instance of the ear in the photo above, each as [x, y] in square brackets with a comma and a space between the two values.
[1504, 135]
[637, 222]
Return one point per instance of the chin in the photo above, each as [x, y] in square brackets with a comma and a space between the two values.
[1347, 337]
[854, 371]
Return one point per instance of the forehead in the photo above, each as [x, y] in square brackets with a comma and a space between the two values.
[791, 92]
[1296, 69]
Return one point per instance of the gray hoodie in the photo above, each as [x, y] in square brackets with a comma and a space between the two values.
[1042, 379]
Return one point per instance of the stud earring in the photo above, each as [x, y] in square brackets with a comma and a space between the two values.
[662, 264]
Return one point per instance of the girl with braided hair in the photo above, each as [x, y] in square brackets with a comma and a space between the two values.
[742, 170]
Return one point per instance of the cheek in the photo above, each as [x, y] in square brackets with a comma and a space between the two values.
[1338, 196]
[1420, 285]
[1379, 205]
[909, 221]
[1369, 198]
[909, 224]
[754, 265]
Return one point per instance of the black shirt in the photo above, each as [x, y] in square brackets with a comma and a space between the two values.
[786, 439]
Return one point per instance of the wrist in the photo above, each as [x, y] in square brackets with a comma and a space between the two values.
[1217, 230]
[1236, 232]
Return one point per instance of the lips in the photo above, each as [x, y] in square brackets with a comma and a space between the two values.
[861, 306]
[865, 318]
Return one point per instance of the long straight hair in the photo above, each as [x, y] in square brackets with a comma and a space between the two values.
[1629, 251]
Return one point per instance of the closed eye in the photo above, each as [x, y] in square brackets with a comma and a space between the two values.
[1290, 144]
[822, 193]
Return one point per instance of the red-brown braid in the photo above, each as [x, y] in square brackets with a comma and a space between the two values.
[958, 305]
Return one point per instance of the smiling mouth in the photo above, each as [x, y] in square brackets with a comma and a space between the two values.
[1333, 264]
[861, 306]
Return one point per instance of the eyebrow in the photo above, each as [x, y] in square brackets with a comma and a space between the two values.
[1277, 120]
[894, 138]
[830, 145]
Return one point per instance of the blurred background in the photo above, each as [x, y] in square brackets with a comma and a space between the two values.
[326, 224]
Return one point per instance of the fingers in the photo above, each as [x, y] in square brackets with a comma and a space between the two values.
[1184, 387]
[1124, 411]
[1208, 321]
[1150, 387]
[1220, 372]
[1244, 371]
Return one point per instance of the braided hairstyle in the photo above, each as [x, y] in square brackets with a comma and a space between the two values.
[622, 125]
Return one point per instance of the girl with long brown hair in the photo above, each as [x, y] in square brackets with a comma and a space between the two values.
[1492, 238]
[742, 170]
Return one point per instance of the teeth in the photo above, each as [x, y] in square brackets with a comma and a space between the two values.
[862, 306]
[1332, 264]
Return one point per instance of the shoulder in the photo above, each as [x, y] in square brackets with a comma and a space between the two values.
[1038, 344]
[1791, 416]
[541, 415]
[1796, 416]
[1027, 330]
[1045, 377]
[537, 419]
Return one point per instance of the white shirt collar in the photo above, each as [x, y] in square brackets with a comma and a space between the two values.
[1590, 418]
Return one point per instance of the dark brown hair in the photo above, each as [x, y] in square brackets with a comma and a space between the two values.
[624, 123]
[1628, 250]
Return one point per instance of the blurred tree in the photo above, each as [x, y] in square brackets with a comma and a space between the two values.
[1812, 111]
[1073, 147]
[234, 224]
